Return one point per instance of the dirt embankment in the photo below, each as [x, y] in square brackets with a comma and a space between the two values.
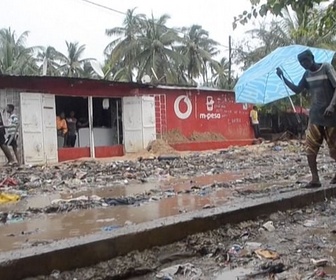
[175, 136]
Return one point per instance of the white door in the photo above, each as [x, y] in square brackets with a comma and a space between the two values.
[49, 128]
[32, 128]
[132, 123]
[138, 122]
[148, 120]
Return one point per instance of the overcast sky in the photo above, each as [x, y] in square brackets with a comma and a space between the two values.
[51, 22]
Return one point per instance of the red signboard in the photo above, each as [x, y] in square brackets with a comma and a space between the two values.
[208, 111]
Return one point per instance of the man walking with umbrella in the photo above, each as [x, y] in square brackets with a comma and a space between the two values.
[320, 80]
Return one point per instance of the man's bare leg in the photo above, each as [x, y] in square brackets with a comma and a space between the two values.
[313, 168]
[333, 156]
[17, 156]
[7, 153]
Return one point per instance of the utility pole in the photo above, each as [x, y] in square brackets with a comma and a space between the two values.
[230, 62]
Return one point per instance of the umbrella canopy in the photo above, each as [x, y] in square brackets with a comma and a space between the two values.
[260, 84]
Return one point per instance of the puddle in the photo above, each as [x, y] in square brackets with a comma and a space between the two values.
[77, 223]
[178, 185]
[237, 273]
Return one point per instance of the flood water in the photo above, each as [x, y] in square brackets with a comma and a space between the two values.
[47, 228]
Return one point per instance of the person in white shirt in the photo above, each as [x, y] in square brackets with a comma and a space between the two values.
[12, 131]
[3, 145]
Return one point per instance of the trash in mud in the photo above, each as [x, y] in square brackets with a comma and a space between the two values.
[277, 148]
[294, 243]
[55, 274]
[266, 254]
[80, 198]
[319, 273]
[8, 182]
[310, 223]
[168, 157]
[187, 270]
[7, 197]
[266, 270]
[319, 262]
[110, 228]
[269, 226]
[208, 206]
[252, 246]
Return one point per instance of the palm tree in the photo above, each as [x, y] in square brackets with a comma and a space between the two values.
[15, 57]
[157, 55]
[269, 37]
[198, 49]
[123, 50]
[220, 70]
[50, 58]
[73, 64]
[304, 27]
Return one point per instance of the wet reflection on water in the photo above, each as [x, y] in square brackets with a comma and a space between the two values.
[59, 226]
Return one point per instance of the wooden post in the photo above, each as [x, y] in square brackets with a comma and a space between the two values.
[91, 136]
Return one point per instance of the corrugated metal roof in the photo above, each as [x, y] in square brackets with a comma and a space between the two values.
[192, 88]
[85, 86]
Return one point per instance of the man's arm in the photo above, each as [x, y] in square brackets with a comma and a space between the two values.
[295, 88]
[14, 122]
[332, 78]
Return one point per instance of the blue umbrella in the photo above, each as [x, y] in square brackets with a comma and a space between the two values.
[260, 84]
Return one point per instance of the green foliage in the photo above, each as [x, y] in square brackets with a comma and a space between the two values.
[15, 57]
[141, 46]
[275, 7]
[146, 46]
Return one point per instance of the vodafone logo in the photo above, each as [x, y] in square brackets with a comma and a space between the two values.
[187, 113]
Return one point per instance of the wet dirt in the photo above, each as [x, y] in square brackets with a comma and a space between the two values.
[232, 273]
[60, 226]
[159, 147]
[230, 251]
[206, 136]
[134, 191]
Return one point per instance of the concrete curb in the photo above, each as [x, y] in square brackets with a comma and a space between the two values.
[91, 249]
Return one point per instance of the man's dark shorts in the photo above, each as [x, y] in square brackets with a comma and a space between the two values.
[13, 143]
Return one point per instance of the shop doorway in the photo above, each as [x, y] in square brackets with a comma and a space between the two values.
[107, 120]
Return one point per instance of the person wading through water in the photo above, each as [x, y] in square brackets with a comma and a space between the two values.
[320, 80]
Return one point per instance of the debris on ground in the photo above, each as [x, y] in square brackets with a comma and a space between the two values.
[292, 238]
[82, 178]
[266, 254]
[292, 251]
[188, 270]
[7, 197]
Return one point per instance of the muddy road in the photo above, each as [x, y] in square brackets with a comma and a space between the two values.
[94, 184]
[296, 244]
[83, 197]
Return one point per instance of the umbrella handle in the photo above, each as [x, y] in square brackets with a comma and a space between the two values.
[291, 101]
